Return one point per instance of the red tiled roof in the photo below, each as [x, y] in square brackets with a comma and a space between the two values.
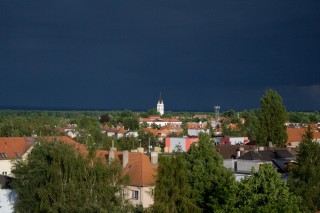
[14, 147]
[78, 146]
[140, 169]
[295, 134]
[159, 119]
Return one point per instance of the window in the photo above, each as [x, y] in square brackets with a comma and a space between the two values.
[3, 155]
[17, 154]
[122, 193]
[134, 195]
[4, 173]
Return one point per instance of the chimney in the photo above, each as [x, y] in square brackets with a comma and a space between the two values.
[157, 149]
[125, 158]
[111, 155]
[238, 154]
[140, 149]
[154, 157]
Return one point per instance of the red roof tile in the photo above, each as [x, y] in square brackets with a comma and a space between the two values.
[295, 134]
[14, 147]
[140, 169]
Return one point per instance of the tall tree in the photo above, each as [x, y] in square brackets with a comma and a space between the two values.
[55, 178]
[271, 120]
[265, 192]
[304, 176]
[210, 181]
[172, 192]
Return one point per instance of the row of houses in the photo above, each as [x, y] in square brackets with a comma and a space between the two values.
[142, 167]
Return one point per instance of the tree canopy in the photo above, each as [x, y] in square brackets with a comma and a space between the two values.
[195, 180]
[55, 178]
[210, 181]
[172, 192]
[265, 192]
[271, 120]
[304, 176]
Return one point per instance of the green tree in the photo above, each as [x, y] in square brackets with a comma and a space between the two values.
[55, 178]
[131, 123]
[211, 183]
[172, 192]
[250, 125]
[265, 192]
[271, 120]
[304, 176]
[104, 118]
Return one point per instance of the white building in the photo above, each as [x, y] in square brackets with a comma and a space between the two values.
[160, 105]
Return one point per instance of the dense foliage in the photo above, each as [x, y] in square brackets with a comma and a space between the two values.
[55, 178]
[304, 177]
[264, 192]
[196, 180]
[271, 120]
[173, 192]
[209, 180]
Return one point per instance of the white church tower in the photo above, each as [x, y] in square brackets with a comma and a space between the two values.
[160, 105]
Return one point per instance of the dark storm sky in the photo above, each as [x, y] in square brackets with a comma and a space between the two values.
[121, 54]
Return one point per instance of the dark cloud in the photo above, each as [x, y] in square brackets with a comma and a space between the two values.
[116, 55]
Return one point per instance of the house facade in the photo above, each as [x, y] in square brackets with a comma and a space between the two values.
[12, 149]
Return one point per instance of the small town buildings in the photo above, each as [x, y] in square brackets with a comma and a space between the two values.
[116, 132]
[179, 143]
[11, 149]
[242, 158]
[70, 130]
[141, 169]
[161, 122]
[234, 140]
[296, 131]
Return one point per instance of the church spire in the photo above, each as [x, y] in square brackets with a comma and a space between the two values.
[160, 101]
[160, 105]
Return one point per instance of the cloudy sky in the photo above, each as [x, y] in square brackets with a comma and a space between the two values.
[103, 54]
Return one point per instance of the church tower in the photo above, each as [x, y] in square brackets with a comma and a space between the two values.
[160, 105]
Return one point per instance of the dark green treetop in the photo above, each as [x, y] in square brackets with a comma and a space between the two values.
[55, 178]
[271, 120]
[304, 176]
[265, 192]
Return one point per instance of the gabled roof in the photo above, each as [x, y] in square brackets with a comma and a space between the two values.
[229, 151]
[267, 155]
[140, 170]
[14, 147]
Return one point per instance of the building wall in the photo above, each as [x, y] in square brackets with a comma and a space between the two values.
[164, 123]
[196, 132]
[245, 166]
[7, 200]
[144, 198]
[183, 143]
[5, 167]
